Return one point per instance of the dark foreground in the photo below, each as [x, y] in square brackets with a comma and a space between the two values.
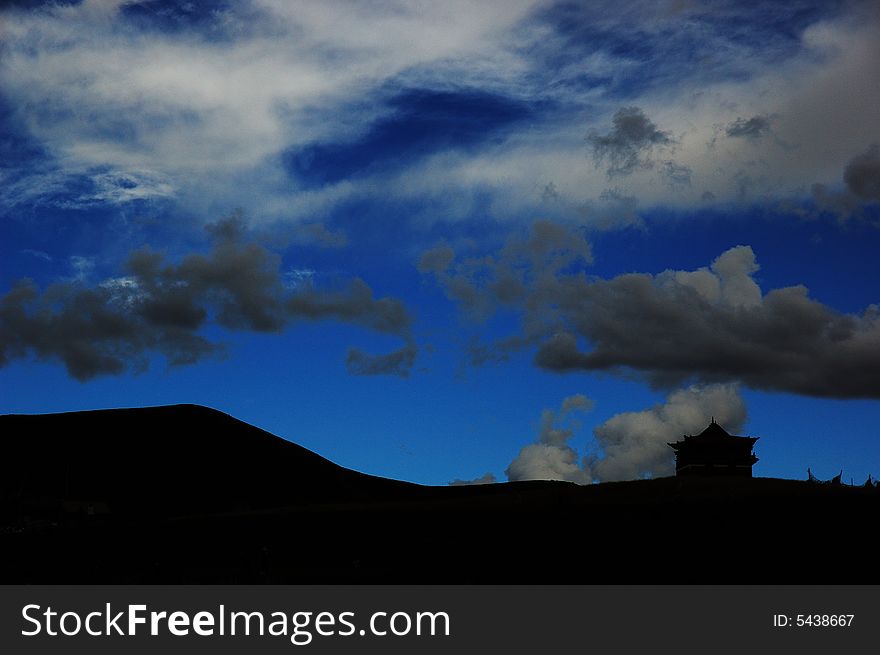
[185, 494]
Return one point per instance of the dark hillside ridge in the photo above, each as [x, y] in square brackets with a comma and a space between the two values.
[185, 494]
[174, 460]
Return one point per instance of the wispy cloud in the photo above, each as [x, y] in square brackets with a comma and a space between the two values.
[105, 86]
[39, 254]
[290, 109]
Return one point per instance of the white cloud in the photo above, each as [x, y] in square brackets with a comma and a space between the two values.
[551, 457]
[634, 444]
[629, 445]
[729, 282]
[198, 115]
[822, 102]
[179, 116]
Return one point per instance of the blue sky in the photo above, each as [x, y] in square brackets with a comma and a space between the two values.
[451, 241]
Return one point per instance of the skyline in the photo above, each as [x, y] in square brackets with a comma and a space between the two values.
[432, 243]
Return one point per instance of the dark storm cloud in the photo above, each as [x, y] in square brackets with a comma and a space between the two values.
[87, 330]
[628, 145]
[668, 330]
[861, 178]
[239, 279]
[862, 174]
[709, 325]
[158, 306]
[355, 304]
[749, 128]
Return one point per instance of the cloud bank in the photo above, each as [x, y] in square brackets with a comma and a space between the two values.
[713, 324]
[630, 445]
[157, 306]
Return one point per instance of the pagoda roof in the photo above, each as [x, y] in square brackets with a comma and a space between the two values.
[713, 433]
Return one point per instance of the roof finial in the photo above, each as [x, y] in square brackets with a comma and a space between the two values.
[713, 419]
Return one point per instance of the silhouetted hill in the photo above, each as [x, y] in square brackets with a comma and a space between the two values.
[174, 460]
[188, 494]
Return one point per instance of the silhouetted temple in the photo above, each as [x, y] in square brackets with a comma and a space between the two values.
[714, 452]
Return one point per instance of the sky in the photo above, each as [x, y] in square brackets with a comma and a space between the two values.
[451, 242]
